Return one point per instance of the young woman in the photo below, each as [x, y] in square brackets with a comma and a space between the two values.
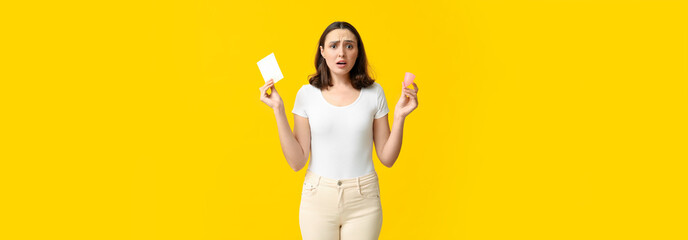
[337, 117]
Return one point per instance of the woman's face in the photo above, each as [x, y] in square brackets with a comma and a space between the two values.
[340, 51]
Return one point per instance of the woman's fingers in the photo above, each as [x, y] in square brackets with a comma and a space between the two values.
[265, 86]
[415, 90]
[408, 92]
[268, 84]
[264, 96]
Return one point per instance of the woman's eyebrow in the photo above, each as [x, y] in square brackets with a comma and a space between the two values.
[351, 41]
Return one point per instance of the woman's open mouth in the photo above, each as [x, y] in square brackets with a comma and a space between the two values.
[341, 64]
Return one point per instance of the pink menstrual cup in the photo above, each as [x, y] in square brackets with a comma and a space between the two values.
[408, 80]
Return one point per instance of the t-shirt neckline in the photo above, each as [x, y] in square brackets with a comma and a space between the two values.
[360, 93]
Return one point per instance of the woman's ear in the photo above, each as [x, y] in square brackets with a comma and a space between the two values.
[321, 52]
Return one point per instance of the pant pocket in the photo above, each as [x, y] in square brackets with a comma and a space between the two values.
[308, 189]
[371, 190]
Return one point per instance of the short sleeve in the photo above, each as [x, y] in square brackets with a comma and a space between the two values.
[300, 102]
[382, 108]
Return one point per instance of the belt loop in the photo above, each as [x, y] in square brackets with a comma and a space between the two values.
[319, 177]
[358, 183]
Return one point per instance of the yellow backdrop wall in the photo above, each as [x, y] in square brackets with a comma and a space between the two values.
[537, 119]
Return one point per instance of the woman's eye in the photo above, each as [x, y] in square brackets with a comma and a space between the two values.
[333, 46]
[350, 46]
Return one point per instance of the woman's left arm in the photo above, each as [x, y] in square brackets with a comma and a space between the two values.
[388, 145]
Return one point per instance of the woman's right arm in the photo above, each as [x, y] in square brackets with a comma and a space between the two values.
[296, 145]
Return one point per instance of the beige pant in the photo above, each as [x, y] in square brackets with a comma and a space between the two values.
[345, 209]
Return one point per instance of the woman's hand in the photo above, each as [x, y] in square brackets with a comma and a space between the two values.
[273, 100]
[407, 102]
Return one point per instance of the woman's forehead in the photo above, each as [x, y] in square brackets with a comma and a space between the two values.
[340, 35]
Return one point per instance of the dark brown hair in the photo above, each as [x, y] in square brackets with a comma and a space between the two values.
[358, 74]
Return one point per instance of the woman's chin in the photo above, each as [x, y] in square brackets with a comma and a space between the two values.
[340, 71]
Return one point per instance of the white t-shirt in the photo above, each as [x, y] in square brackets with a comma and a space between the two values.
[341, 137]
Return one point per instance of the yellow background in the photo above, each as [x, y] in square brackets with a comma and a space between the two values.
[537, 119]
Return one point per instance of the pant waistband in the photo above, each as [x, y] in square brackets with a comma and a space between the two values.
[318, 180]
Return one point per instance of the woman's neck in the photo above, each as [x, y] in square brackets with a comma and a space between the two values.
[339, 81]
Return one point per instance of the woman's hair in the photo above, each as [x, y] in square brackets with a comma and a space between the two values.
[358, 74]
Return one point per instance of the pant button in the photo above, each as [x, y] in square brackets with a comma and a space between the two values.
[339, 183]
